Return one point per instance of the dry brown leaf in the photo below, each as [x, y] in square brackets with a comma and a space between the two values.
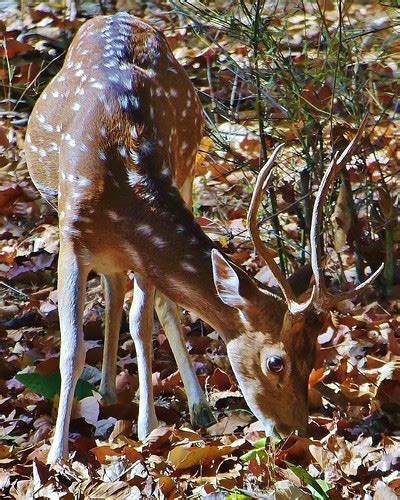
[183, 457]
[228, 425]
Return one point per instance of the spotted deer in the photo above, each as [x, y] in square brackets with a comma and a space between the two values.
[111, 144]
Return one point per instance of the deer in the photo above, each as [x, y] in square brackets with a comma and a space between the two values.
[111, 145]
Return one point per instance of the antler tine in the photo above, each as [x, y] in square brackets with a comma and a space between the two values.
[322, 296]
[262, 183]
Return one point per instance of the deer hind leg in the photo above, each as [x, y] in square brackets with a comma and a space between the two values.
[168, 314]
[141, 327]
[72, 274]
[114, 292]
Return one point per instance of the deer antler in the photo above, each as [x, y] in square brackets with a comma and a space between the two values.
[320, 297]
[262, 183]
[323, 298]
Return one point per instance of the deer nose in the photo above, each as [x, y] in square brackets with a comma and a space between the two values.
[298, 423]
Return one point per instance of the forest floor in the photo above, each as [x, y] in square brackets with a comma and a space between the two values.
[353, 448]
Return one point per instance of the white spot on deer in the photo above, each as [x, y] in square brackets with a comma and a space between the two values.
[41, 118]
[173, 92]
[76, 106]
[102, 155]
[180, 228]
[47, 127]
[123, 100]
[63, 177]
[53, 147]
[33, 148]
[133, 177]
[78, 65]
[144, 229]
[44, 96]
[112, 64]
[61, 78]
[122, 151]
[134, 101]
[146, 147]
[80, 72]
[134, 156]
[79, 91]
[97, 85]
[166, 171]
[151, 111]
[114, 216]
[28, 138]
[62, 214]
[42, 153]
[127, 82]
[72, 143]
[134, 132]
[83, 148]
[189, 103]
[184, 146]
[159, 91]
[188, 267]
[83, 182]
[158, 241]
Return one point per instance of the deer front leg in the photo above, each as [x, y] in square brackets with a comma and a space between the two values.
[141, 328]
[114, 293]
[199, 409]
[72, 276]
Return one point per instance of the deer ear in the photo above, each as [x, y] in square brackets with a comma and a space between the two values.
[226, 281]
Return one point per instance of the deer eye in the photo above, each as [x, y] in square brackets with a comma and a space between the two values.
[275, 364]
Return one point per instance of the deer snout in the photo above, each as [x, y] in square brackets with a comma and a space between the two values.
[294, 418]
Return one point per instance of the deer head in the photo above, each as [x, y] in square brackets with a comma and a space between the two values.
[273, 358]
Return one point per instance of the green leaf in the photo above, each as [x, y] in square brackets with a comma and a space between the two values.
[259, 449]
[260, 443]
[84, 389]
[318, 487]
[45, 385]
[249, 455]
[237, 496]
[49, 385]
